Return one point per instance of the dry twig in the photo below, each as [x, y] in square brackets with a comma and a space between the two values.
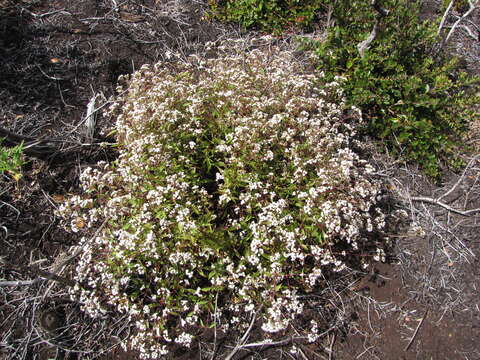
[432, 201]
[244, 337]
[416, 331]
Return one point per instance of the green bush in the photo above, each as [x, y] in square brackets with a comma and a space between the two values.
[418, 103]
[11, 160]
[274, 16]
[235, 190]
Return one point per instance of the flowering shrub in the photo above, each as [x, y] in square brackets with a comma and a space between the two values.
[236, 188]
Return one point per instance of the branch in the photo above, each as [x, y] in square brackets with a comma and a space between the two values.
[438, 200]
[473, 5]
[365, 45]
[470, 32]
[416, 331]
[43, 275]
[444, 17]
[460, 179]
[244, 337]
[264, 344]
[90, 118]
[20, 282]
[429, 200]
[32, 146]
[272, 343]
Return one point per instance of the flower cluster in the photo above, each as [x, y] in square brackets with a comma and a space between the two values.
[236, 188]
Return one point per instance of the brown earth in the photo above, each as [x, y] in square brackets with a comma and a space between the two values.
[55, 55]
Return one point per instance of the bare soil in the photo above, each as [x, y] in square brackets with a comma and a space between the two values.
[55, 55]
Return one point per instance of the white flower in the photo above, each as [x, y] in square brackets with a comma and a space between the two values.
[277, 176]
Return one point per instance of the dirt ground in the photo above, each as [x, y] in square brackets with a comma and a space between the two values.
[56, 55]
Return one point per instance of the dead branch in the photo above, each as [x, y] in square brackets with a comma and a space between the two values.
[72, 257]
[31, 146]
[432, 201]
[473, 5]
[20, 282]
[438, 201]
[444, 17]
[90, 118]
[266, 344]
[330, 353]
[461, 178]
[470, 32]
[244, 337]
[273, 343]
[365, 45]
[39, 16]
[416, 331]
[44, 275]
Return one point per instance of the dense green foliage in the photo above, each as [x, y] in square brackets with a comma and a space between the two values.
[416, 101]
[269, 15]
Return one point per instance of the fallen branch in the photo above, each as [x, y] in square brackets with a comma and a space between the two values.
[20, 282]
[432, 201]
[282, 342]
[416, 331]
[60, 267]
[470, 33]
[90, 119]
[330, 352]
[460, 179]
[31, 146]
[438, 201]
[44, 275]
[272, 343]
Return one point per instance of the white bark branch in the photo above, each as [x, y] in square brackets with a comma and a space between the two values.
[20, 282]
[460, 179]
[438, 201]
[365, 44]
[244, 337]
[473, 5]
[432, 201]
[444, 17]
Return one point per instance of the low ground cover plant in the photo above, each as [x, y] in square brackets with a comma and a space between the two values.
[11, 160]
[236, 190]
